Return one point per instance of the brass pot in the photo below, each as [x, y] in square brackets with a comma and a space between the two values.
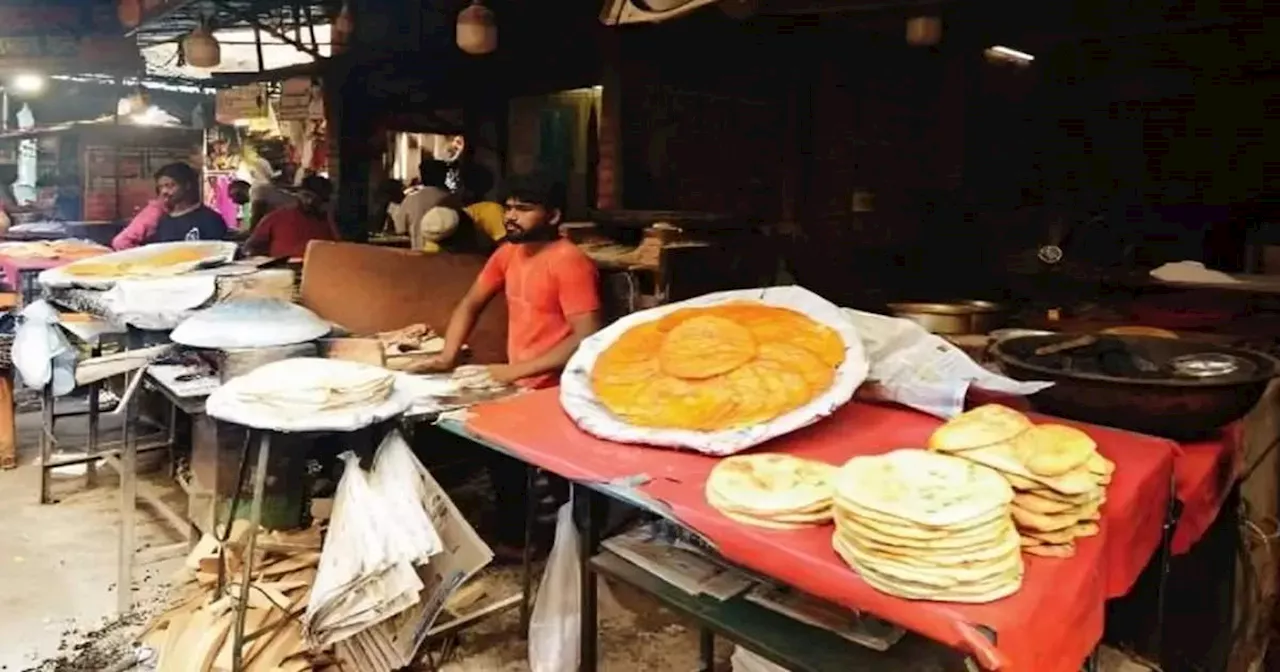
[956, 317]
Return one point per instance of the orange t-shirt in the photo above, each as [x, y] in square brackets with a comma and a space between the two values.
[543, 289]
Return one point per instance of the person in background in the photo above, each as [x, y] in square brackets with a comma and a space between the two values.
[185, 218]
[141, 226]
[8, 201]
[265, 198]
[386, 202]
[68, 203]
[485, 215]
[286, 232]
[553, 303]
[434, 192]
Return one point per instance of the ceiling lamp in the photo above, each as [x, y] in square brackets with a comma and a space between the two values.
[129, 12]
[200, 48]
[924, 31]
[477, 31]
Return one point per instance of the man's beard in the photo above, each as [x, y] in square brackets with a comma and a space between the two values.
[539, 234]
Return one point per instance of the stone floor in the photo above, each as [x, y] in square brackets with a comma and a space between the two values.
[58, 587]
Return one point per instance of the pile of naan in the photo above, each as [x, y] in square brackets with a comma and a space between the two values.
[1058, 476]
[304, 386]
[772, 490]
[926, 526]
[717, 368]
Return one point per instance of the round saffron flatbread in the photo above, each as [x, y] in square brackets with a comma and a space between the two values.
[712, 356]
[704, 347]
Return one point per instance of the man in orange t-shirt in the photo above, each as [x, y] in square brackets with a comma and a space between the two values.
[553, 301]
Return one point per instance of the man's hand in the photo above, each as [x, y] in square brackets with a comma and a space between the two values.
[437, 364]
[503, 373]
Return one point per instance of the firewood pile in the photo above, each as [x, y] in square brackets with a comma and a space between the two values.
[195, 631]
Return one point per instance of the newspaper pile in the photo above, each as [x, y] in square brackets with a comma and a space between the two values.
[397, 548]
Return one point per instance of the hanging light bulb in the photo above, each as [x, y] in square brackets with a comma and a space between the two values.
[924, 31]
[477, 31]
[201, 48]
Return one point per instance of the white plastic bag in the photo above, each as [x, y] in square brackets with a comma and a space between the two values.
[399, 478]
[41, 353]
[557, 613]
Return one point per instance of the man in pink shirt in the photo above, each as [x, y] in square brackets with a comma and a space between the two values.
[140, 227]
[143, 224]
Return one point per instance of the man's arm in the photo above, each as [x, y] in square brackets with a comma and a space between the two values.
[554, 359]
[461, 322]
[258, 210]
[259, 241]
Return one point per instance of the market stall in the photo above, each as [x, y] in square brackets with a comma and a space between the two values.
[731, 417]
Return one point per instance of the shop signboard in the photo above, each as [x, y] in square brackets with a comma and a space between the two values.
[241, 103]
[300, 100]
[63, 37]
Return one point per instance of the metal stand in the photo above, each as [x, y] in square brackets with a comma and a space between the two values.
[255, 517]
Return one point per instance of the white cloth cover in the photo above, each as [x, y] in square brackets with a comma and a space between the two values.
[250, 323]
[580, 404]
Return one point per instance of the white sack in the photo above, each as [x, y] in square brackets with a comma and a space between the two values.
[926, 372]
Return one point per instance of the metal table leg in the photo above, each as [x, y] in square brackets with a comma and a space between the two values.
[255, 518]
[707, 649]
[46, 440]
[128, 503]
[91, 467]
[526, 559]
[586, 509]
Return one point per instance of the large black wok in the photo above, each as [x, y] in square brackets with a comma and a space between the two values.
[1170, 388]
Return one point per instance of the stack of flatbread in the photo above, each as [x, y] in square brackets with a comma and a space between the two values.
[307, 385]
[1058, 476]
[926, 526]
[772, 490]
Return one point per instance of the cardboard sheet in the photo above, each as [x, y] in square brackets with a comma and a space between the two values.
[1051, 624]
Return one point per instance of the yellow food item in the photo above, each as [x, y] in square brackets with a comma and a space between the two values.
[705, 346]
[717, 368]
[152, 264]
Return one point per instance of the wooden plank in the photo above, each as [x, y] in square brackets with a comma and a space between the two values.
[290, 564]
[361, 350]
[206, 649]
[253, 620]
[172, 638]
[8, 422]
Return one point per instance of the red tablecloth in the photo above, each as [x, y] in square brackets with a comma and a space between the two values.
[12, 267]
[1051, 624]
[1203, 475]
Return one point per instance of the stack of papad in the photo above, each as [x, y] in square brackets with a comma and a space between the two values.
[925, 526]
[1058, 476]
[307, 385]
[772, 490]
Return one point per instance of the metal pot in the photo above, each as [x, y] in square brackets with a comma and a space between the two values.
[957, 317]
[1186, 407]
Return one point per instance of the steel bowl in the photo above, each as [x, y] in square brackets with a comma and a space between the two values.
[1201, 395]
[953, 318]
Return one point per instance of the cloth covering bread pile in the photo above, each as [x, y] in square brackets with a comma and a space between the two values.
[926, 526]
[1058, 476]
[771, 490]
